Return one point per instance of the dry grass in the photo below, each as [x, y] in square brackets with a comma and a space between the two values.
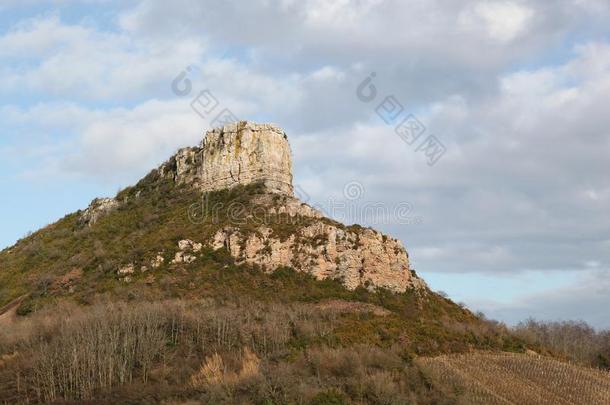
[206, 351]
[492, 378]
[253, 352]
[213, 371]
[352, 306]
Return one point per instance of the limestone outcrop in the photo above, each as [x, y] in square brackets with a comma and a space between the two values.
[360, 257]
[97, 209]
[236, 154]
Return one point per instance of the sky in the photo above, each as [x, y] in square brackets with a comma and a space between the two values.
[477, 132]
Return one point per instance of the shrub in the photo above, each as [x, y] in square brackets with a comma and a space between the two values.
[25, 308]
[576, 340]
[237, 351]
[332, 397]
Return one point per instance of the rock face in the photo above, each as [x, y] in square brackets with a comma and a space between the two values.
[240, 153]
[357, 258]
[98, 208]
[325, 249]
[186, 250]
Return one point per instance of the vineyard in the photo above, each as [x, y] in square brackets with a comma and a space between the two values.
[491, 378]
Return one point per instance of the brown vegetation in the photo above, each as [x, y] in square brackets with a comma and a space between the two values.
[576, 341]
[244, 352]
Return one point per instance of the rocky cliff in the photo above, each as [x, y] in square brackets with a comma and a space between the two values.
[236, 154]
[245, 154]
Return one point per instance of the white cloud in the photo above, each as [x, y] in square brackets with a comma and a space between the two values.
[124, 141]
[80, 62]
[8, 4]
[119, 144]
[446, 35]
[40, 36]
[337, 13]
[503, 21]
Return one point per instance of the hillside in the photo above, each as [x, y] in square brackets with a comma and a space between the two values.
[68, 272]
[68, 261]
[183, 288]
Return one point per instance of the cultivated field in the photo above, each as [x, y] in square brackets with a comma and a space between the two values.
[491, 378]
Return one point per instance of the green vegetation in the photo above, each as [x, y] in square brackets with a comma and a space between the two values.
[155, 216]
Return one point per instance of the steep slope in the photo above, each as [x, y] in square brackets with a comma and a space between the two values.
[101, 291]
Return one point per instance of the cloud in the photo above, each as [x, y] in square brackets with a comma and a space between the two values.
[8, 4]
[586, 299]
[79, 62]
[106, 145]
[424, 51]
[126, 141]
[523, 180]
[502, 21]
[394, 32]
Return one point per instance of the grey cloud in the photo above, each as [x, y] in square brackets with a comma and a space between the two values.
[523, 186]
[423, 51]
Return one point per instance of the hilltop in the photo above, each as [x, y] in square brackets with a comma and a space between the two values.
[231, 196]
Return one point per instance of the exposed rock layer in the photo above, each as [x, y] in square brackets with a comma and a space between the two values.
[97, 209]
[236, 154]
[357, 258]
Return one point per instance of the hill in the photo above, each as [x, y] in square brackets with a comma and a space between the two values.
[209, 281]
[226, 203]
